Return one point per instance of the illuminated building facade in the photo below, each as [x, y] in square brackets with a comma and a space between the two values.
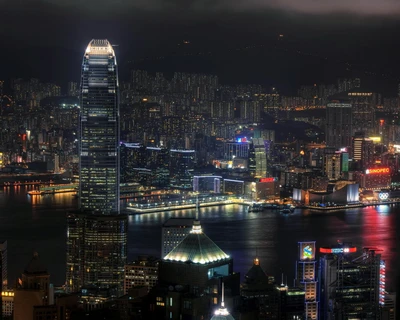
[96, 250]
[375, 178]
[350, 287]
[99, 130]
[339, 128]
[258, 158]
[174, 230]
[306, 278]
[234, 186]
[362, 151]
[363, 110]
[182, 164]
[190, 278]
[332, 164]
[97, 233]
[207, 184]
[142, 272]
[239, 149]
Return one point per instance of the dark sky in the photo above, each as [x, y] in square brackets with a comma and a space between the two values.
[238, 40]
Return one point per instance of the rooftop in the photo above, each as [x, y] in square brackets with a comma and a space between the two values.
[196, 247]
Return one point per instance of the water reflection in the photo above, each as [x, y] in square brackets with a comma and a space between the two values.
[38, 223]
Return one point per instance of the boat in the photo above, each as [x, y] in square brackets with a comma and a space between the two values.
[35, 192]
[285, 211]
[256, 207]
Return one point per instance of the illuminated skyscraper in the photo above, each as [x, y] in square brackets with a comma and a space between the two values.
[99, 129]
[306, 278]
[97, 234]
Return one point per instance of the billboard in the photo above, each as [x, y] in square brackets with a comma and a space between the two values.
[338, 250]
[307, 250]
[377, 171]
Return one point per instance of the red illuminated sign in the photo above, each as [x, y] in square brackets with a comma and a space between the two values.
[267, 179]
[377, 170]
[338, 250]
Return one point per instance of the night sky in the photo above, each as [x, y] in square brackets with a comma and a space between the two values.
[237, 40]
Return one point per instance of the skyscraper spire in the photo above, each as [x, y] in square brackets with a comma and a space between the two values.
[196, 223]
[222, 313]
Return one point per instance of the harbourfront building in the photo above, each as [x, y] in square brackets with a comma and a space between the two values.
[99, 129]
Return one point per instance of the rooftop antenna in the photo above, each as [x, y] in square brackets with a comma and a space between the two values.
[286, 281]
[223, 295]
[197, 207]
[282, 280]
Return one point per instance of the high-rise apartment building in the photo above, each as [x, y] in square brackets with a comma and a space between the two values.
[339, 128]
[97, 234]
[99, 129]
[362, 150]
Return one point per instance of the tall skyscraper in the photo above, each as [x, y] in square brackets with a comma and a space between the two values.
[97, 233]
[99, 129]
[339, 124]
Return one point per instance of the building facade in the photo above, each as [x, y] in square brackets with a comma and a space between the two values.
[99, 129]
[339, 128]
[342, 274]
[142, 272]
[174, 230]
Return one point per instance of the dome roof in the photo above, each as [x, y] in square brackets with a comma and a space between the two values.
[196, 247]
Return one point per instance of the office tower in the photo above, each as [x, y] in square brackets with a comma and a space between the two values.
[96, 250]
[260, 288]
[182, 164]
[33, 289]
[363, 109]
[306, 278]
[339, 128]
[291, 303]
[331, 163]
[258, 158]
[362, 151]
[174, 230]
[142, 272]
[97, 234]
[99, 129]
[351, 287]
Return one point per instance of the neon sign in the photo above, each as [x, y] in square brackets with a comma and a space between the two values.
[383, 195]
[307, 252]
[267, 179]
[338, 250]
[377, 170]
